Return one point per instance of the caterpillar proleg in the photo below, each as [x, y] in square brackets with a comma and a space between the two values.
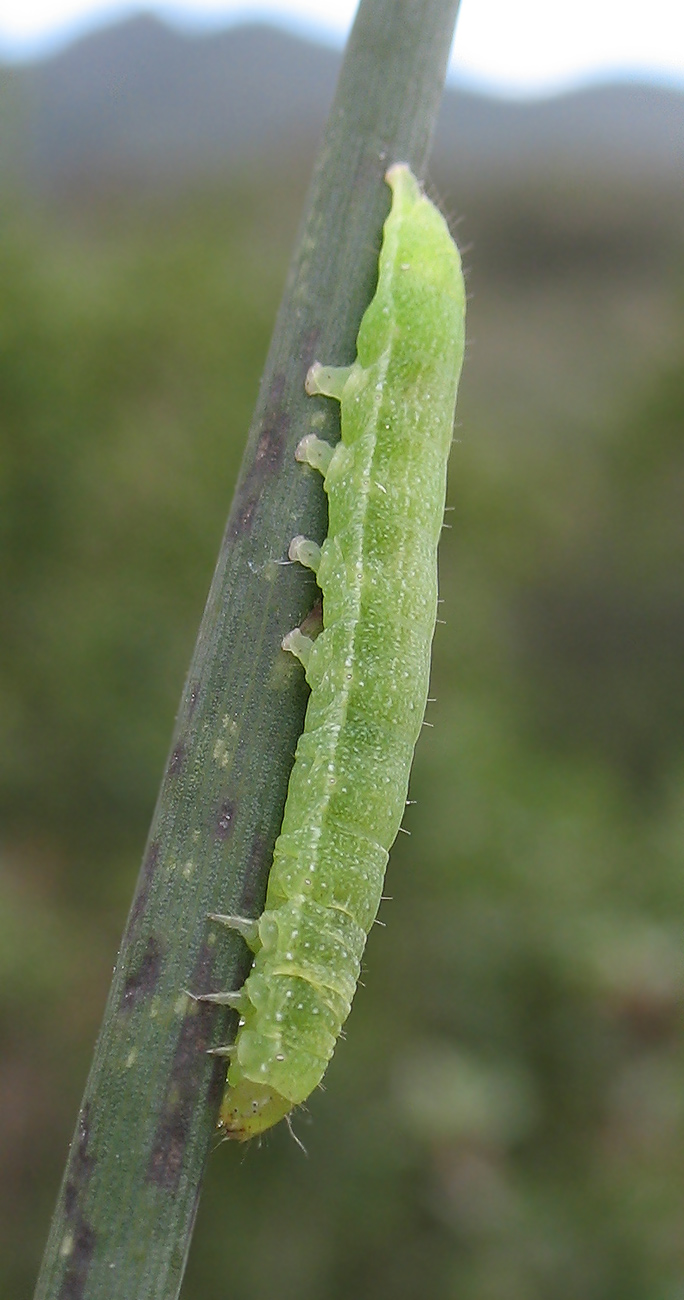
[368, 669]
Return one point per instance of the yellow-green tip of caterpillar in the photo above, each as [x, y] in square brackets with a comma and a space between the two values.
[250, 1108]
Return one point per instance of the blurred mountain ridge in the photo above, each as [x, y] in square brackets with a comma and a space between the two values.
[141, 95]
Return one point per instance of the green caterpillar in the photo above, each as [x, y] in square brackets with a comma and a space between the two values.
[368, 669]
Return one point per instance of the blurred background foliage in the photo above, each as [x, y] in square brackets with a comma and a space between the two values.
[506, 1115]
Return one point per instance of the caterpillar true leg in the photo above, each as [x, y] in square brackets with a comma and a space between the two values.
[234, 1000]
[245, 925]
[249, 929]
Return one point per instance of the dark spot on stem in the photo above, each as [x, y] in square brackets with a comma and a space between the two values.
[166, 1161]
[256, 876]
[224, 820]
[147, 870]
[193, 698]
[241, 519]
[84, 1161]
[308, 345]
[177, 759]
[77, 1229]
[82, 1249]
[268, 458]
[183, 1095]
[270, 447]
[81, 1163]
[142, 982]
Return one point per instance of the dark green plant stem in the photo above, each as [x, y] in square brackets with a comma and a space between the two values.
[123, 1222]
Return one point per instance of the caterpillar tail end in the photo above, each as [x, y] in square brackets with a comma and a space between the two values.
[248, 1109]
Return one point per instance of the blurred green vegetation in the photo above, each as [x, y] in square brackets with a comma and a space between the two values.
[506, 1115]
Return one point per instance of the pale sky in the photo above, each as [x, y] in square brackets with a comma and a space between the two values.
[514, 47]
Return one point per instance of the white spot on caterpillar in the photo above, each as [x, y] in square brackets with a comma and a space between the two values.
[132, 1056]
[66, 1245]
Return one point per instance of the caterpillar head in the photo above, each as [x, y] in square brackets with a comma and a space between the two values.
[249, 1108]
